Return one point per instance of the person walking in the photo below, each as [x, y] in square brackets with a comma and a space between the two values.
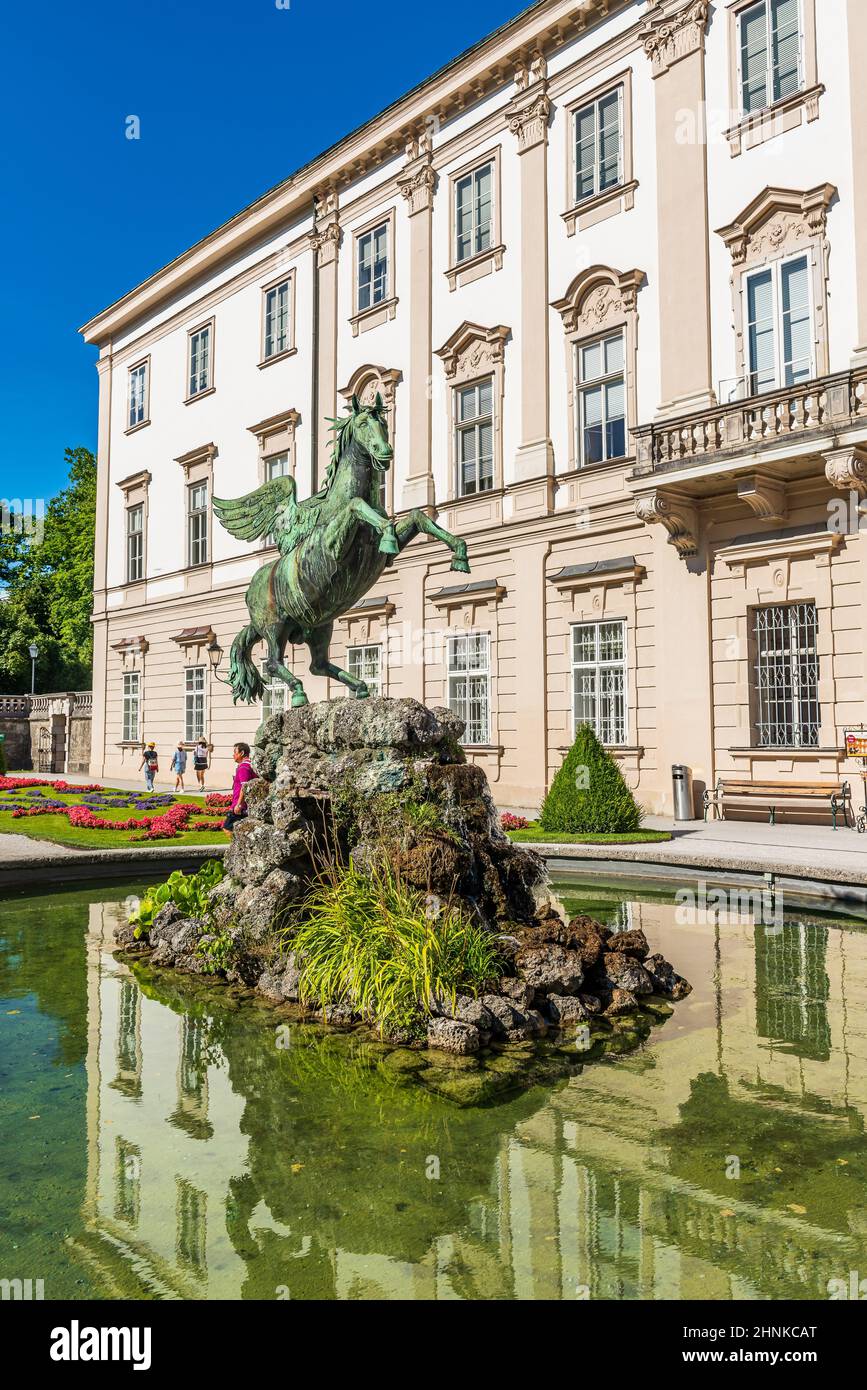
[243, 774]
[179, 765]
[200, 761]
[151, 764]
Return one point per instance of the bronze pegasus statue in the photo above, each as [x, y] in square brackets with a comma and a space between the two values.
[332, 547]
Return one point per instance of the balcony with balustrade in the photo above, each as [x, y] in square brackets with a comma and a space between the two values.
[751, 449]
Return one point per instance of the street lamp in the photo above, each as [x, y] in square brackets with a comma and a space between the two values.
[34, 652]
[215, 656]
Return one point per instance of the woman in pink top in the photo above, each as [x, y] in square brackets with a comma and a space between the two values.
[243, 774]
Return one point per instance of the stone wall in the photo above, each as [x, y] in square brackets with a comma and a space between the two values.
[47, 733]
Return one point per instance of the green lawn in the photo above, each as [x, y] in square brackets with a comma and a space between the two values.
[57, 830]
[535, 834]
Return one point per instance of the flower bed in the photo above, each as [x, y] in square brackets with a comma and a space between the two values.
[26, 798]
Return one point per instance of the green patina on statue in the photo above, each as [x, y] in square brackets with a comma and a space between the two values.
[333, 547]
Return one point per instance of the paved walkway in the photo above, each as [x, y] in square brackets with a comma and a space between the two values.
[791, 851]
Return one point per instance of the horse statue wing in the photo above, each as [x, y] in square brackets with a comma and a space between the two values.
[268, 511]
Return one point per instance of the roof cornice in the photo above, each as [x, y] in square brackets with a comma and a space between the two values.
[486, 67]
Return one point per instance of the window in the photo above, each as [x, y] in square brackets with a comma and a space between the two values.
[599, 679]
[134, 543]
[780, 326]
[131, 707]
[364, 663]
[470, 684]
[277, 466]
[194, 704]
[201, 360]
[138, 386]
[373, 268]
[599, 146]
[197, 524]
[474, 212]
[277, 322]
[787, 676]
[276, 695]
[602, 399]
[475, 437]
[771, 53]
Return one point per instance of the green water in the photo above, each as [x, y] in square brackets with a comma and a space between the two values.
[157, 1142]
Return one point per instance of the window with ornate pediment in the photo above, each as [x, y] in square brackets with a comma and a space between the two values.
[780, 259]
[366, 383]
[600, 319]
[474, 362]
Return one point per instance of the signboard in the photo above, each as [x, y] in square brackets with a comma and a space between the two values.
[856, 743]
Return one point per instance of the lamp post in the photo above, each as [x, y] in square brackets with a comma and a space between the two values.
[34, 652]
[215, 656]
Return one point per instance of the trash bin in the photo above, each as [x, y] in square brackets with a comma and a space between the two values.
[681, 785]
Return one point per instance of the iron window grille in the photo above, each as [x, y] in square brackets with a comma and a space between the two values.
[469, 681]
[787, 676]
[131, 707]
[365, 663]
[599, 679]
[194, 704]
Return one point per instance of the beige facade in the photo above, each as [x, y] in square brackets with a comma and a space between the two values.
[614, 298]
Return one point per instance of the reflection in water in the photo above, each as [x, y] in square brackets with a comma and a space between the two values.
[724, 1159]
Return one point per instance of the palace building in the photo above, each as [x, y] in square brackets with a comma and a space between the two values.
[608, 270]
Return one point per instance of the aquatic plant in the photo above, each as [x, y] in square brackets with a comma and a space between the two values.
[189, 893]
[371, 942]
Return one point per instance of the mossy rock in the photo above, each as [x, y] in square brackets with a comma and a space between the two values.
[403, 1060]
[506, 1064]
[659, 1008]
[450, 1061]
[462, 1087]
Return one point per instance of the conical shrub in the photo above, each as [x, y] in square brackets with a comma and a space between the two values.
[589, 796]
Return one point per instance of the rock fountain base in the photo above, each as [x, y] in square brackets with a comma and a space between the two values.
[387, 781]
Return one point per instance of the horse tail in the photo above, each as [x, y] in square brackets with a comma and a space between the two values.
[244, 675]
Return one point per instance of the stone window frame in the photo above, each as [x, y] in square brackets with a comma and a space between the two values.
[198, 467]
[134, 367]
[362, 320]
[484, 263]
[365, 381]
[778, 224]
[579, 216]
[285, 277]
[136, 493]
[598, 301]
[597, 622]
[749, 129]
[132, 652]
[208, 390]
[469, 356]
[276, 435]
[128, 675]
[378, 647]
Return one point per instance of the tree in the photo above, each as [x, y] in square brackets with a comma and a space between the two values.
[589, 796]
[46, 587]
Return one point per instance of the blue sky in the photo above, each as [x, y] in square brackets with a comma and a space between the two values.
[232, 96]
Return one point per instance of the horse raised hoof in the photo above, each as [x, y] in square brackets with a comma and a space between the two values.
[461, 564]
[362, 693]
[388, 545]
[299, 700]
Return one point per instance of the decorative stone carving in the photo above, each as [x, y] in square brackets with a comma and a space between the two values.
[369, 381]
[676, 513]
[778, 221]
[325, 243]
[597, 296]
[528, 119]
[764, 495]
[846, 469]
[671, 34]
[418, 180]
[471, 351]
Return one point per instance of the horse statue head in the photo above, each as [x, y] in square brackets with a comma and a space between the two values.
[366, 427]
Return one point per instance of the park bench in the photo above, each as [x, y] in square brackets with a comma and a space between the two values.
[836, 796]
